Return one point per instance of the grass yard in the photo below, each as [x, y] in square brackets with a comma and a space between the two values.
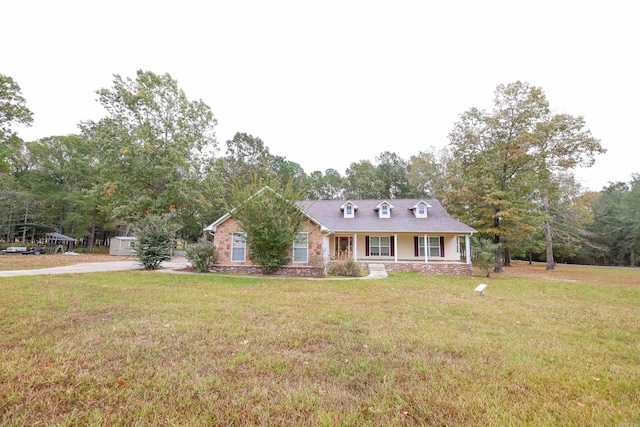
[145, 348]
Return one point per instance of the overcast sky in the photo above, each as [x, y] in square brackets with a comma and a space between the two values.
[333, 82]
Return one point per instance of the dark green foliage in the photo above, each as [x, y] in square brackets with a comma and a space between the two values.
[13, 111]
[202, 255]
[156, 239]
[271, 221]
[484, 253]
[348, 268]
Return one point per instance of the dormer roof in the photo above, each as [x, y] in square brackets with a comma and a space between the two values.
[420, 209]
[384, 203]
[349, 202]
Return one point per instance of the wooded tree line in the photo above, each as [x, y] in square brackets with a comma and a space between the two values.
[506, 172]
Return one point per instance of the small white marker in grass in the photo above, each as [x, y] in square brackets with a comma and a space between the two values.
[480, 288]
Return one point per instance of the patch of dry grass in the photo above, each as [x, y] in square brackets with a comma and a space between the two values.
[150, 348]
[610, 276]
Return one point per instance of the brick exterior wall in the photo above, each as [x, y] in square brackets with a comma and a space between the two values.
[223, 240]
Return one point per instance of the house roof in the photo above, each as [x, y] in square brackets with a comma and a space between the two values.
[329, 215]
[58, 237]
[402, 220]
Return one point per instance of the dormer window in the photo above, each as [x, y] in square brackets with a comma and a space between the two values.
[349, 209]
[420, 209]
[384, 210]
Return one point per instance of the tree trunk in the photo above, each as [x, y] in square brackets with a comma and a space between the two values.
[632, 258]
[92, 235]
[507, 257]
[551, 265]
[498, 267]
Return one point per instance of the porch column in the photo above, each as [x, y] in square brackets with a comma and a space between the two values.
[326, 250]
[395, 246]
[426, 252]
[355, 247]
[467, 243]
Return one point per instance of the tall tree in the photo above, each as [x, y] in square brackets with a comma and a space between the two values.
[616, 221]
[493, 178]
[13, 110]
[271, 220]
[325, 187]
[606, 208]
[569, 217]
[248, 159]
[59, 175]
[427, 175]
[362, 181]
[391, 170]
[508, 161]
[152, 146]
[562, 143]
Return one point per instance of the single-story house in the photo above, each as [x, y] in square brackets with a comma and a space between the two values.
[402, 234]
[121, 245]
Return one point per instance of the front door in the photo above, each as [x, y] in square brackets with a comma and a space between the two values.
[343, 247]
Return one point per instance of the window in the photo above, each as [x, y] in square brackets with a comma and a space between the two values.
[238, 247]
[379, 246]
[433, 243]
[301, 248]
[433, 247]
[349, 210]
[385, 210]
[421, 209]
[421, 247]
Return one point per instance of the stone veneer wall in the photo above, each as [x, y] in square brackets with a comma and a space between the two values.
[291, 271]
[223, 237]
[456, 269]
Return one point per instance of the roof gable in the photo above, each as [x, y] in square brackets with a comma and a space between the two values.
[214, 225]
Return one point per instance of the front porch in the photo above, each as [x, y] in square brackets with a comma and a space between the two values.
[399, 248]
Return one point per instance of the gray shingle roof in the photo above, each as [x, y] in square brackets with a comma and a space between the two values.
[402, 220]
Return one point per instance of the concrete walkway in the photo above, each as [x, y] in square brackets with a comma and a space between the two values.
[176, 263]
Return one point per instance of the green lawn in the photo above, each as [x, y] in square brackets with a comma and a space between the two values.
[149, 348]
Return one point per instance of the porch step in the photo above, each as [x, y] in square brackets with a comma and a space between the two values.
[377, 271]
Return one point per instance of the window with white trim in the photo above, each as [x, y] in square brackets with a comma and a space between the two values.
[301, 248]
[421, 246]
[379, 246]
[433, 246]
[239, 247]
[421, 209]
